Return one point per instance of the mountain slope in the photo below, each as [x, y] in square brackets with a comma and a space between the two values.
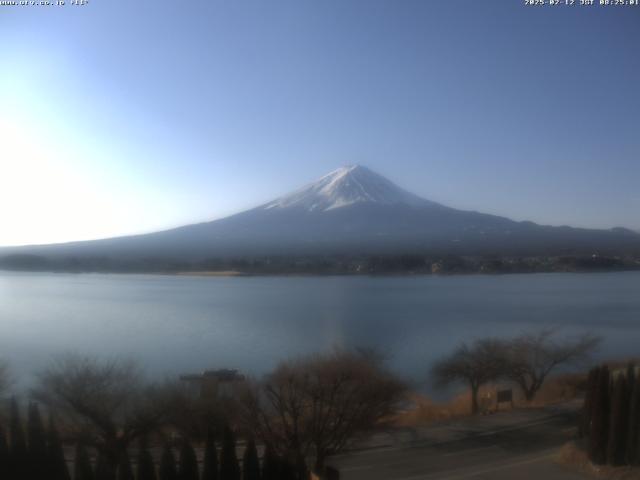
[350, 211]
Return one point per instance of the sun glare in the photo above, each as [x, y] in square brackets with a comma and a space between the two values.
[45, 197]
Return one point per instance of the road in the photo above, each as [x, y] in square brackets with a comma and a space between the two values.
[481, 448]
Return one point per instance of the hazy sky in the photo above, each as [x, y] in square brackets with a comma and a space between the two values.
[130, 116]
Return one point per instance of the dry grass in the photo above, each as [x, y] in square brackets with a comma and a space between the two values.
[425, 411]
[559, 388]
[573, 456]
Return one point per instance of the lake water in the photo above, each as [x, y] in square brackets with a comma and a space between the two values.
[175, 324]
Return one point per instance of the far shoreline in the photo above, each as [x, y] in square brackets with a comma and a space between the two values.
[210, 273]
[241, 274]
[370, 275]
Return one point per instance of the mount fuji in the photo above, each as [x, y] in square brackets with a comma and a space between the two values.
[351, 210]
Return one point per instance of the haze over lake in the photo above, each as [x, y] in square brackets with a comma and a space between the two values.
[177, 324]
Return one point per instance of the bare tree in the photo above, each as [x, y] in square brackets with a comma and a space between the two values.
[104, 404]
[474, 364]
[316, 406]
[532, 356]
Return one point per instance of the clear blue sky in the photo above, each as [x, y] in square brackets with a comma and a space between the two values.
[130, 116]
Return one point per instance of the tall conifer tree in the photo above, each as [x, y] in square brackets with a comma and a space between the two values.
[188, 462]
[270, 465]
[146, 469]
[82, 469]
[631, 377]
[618, 426]
[104, 468]
[55, 453]
[168, 470]
[250, 462]
[210, 467]
[19, 461]
[125, 472]
[633, 438]
[4, 455]
[229, 468]
[37, 444]
[587, 409]
[598, 433]
[287, 470]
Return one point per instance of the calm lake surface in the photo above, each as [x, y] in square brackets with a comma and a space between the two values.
[175, 324]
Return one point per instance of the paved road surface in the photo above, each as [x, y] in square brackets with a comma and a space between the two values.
[483, 448]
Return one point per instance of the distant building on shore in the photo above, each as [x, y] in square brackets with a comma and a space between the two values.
[212, 383]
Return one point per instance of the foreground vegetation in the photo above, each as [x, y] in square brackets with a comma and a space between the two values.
[525, 360]
[304, 411]
[608, 446]
[611, 416]
[115, 425]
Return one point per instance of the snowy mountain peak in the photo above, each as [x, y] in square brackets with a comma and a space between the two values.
[346, 186]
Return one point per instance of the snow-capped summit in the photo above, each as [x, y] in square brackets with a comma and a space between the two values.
[347, 186]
